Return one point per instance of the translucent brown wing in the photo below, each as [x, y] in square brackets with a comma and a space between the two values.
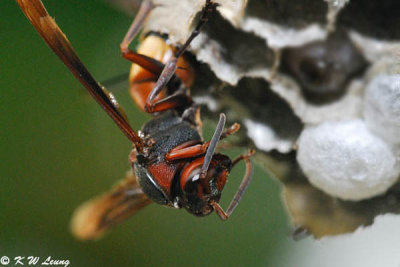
[58, 42]
[97, 215]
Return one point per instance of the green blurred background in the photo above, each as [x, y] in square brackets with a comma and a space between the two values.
[58, 149]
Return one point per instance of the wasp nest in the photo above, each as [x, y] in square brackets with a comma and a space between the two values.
[316, 85]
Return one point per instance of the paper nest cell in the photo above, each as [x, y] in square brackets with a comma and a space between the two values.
[344, 159]
[382, 107]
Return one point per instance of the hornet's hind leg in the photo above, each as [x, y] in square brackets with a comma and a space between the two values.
[165, 73]
[171, 65]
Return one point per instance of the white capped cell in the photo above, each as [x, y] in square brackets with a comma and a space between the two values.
[344, 159]
[382, 107]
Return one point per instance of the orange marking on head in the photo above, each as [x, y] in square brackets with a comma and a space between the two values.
[221, 180]
[189, 169]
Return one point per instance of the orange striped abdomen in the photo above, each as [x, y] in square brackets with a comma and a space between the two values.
[142, 81]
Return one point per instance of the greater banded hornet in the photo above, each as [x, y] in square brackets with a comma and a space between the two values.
[171, 163]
